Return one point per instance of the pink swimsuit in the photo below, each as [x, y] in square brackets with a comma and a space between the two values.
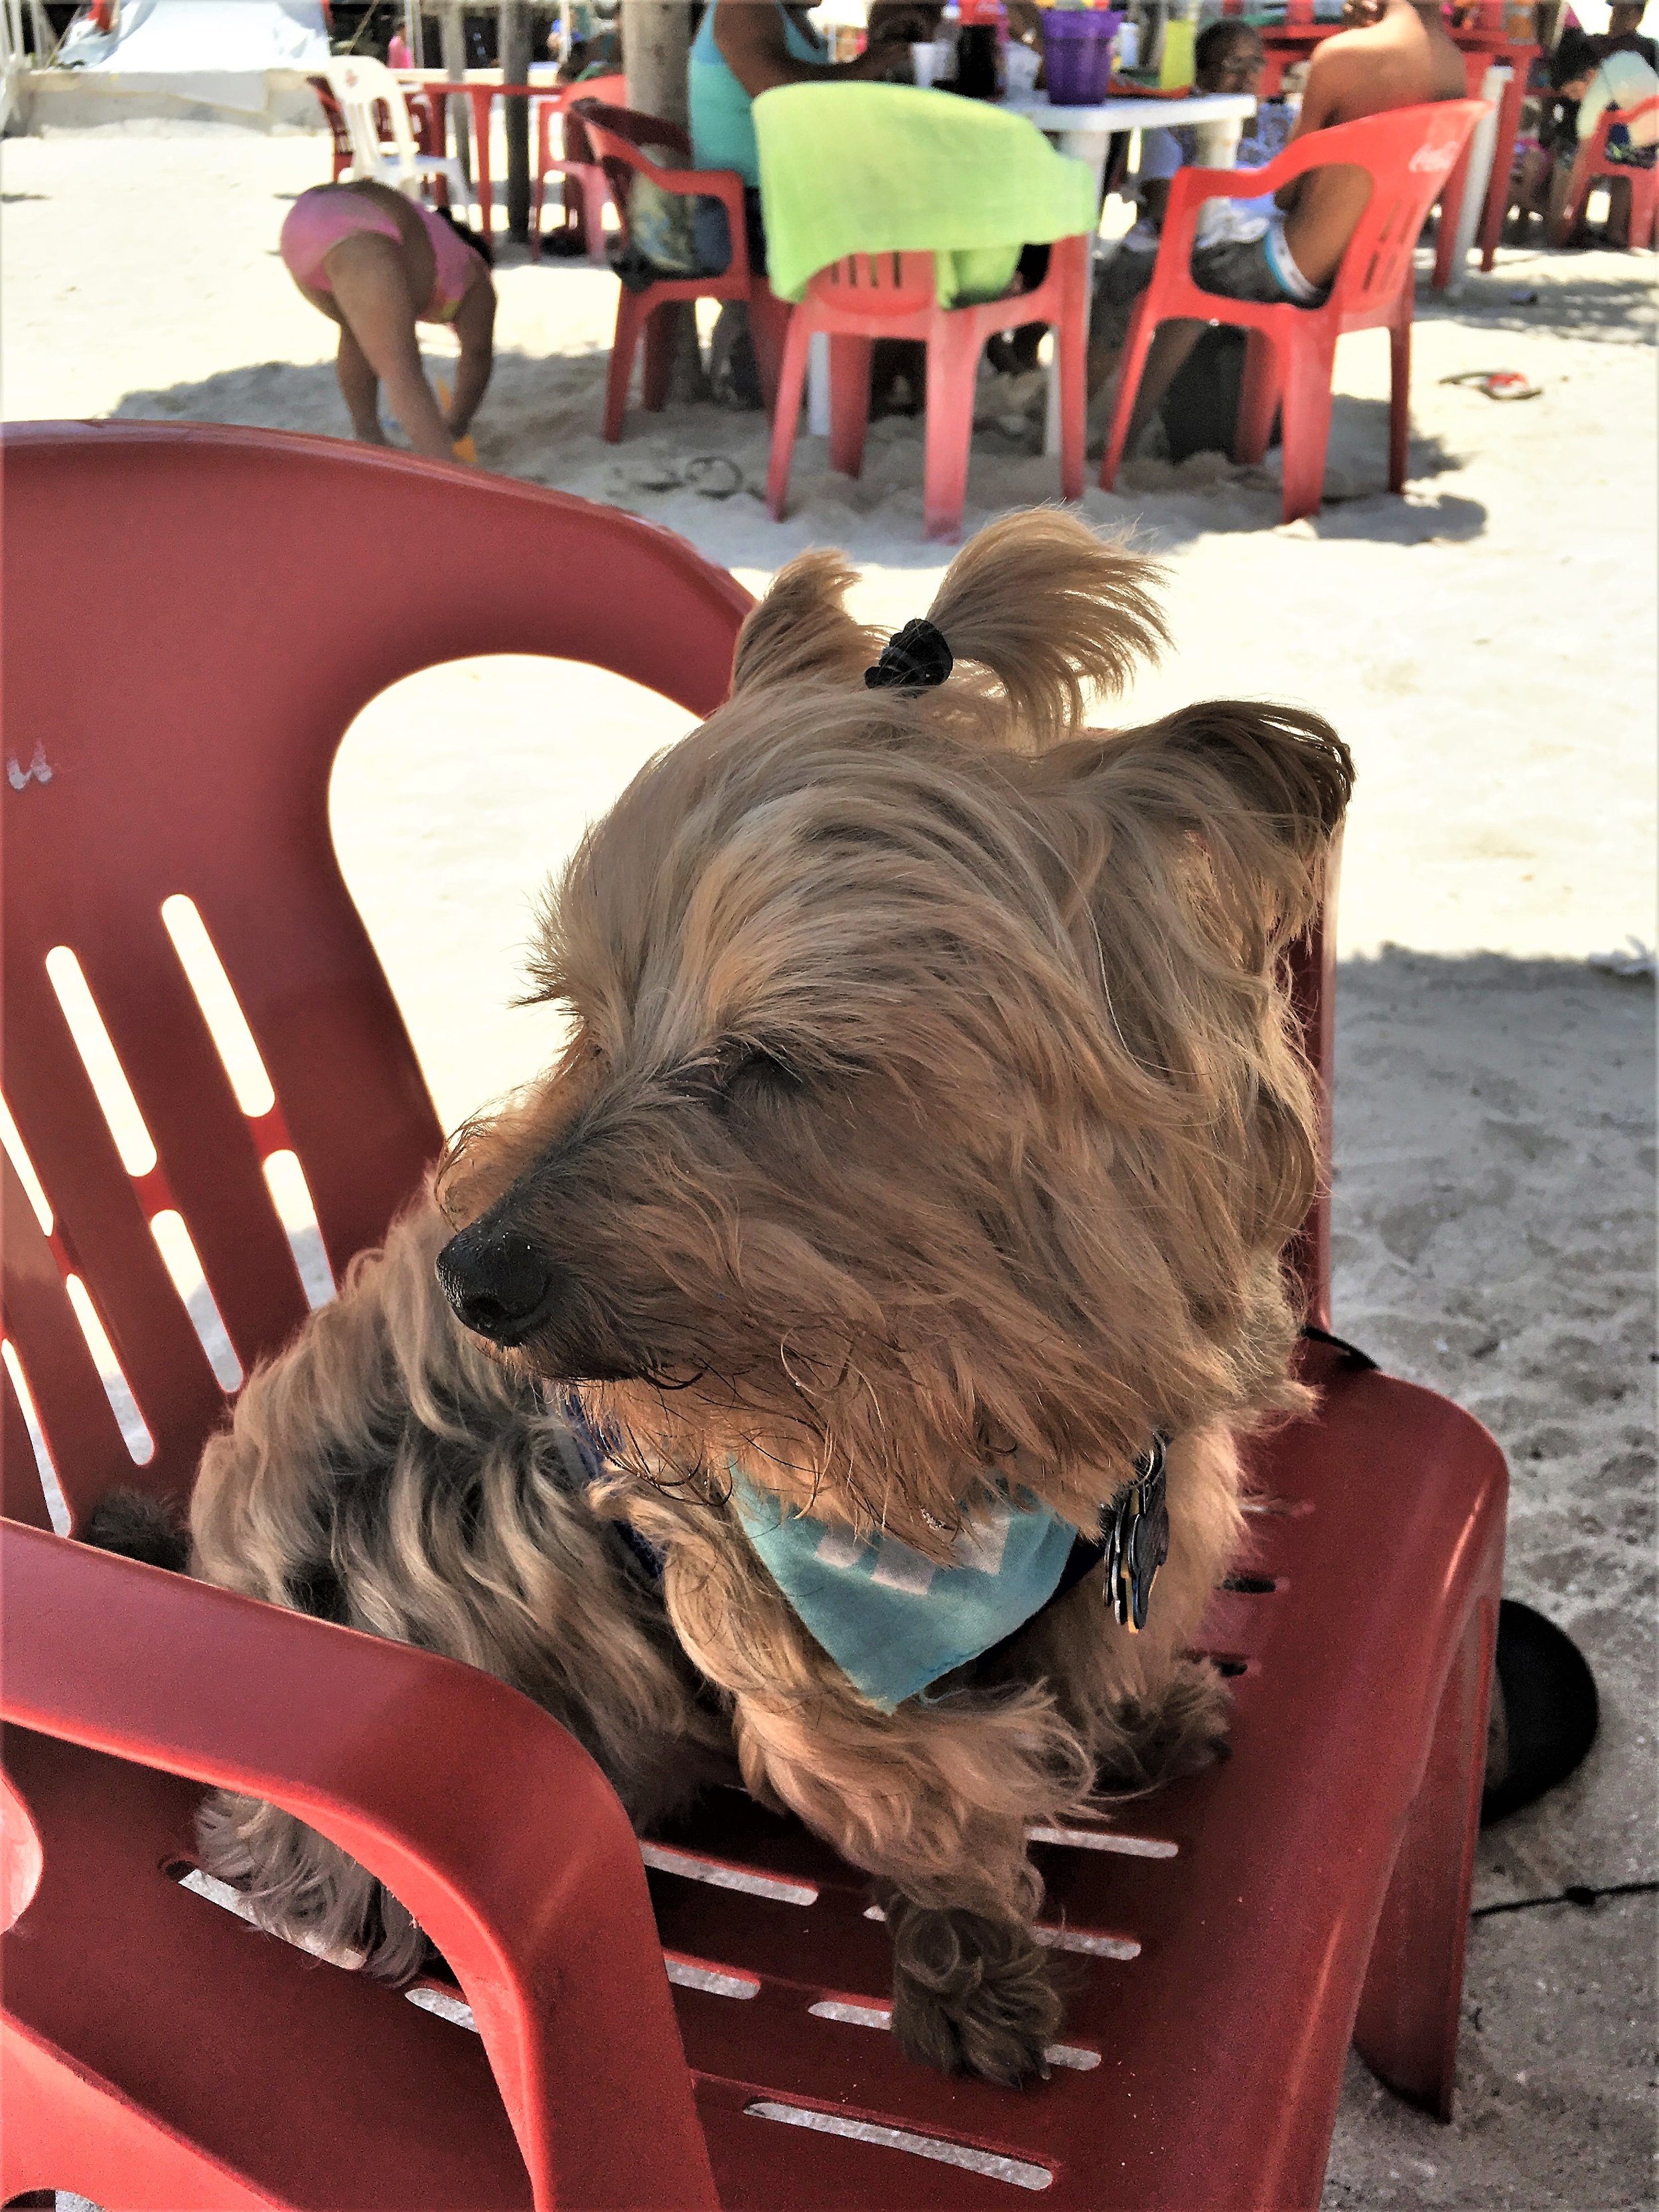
[320, 218]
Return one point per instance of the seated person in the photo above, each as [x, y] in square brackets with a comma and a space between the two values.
[743, 48]
[1607, 77]
[1544, 176]
[1400, 55]
[1624, 33]
[1229, 57]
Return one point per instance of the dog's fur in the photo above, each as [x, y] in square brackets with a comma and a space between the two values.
[931, 1118]
[384, 1473]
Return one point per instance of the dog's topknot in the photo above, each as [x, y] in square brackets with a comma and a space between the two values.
[1037, 606]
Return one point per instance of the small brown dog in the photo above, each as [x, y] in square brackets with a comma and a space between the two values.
[920, 1168]
[383, 1473]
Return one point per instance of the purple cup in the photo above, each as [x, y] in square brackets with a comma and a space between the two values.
[1077, 50]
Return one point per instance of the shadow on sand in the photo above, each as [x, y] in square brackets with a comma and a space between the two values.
[540, 422]
[1617, 310]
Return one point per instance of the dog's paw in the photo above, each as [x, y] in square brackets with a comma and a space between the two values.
[1182, 1733]
[971, 1994]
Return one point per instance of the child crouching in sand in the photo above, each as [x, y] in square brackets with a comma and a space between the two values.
[377, 264]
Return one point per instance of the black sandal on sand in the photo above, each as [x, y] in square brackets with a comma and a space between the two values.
[1543, 1711]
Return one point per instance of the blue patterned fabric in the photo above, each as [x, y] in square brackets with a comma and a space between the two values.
[892, 1620]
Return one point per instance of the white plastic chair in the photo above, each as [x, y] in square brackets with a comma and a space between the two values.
[360, 85]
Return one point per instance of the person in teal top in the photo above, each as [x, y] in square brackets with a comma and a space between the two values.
[742, 49]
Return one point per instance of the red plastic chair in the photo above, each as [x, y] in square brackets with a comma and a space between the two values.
[893, 295]
[157, 2054]
[618, 134]
[334, 116]
[1594, 164]
[1408, 152]
[587, 193]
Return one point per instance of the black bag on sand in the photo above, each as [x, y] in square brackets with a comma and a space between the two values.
[1200, 408]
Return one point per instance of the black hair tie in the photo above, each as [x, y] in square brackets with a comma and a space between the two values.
[913, 659]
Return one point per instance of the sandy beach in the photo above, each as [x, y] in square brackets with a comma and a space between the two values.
[1485, 645]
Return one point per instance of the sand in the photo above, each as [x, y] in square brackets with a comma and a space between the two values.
[1485, 644]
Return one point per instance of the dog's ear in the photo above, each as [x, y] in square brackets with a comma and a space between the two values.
[1224, 812]
[802, 629]
[1046, 608]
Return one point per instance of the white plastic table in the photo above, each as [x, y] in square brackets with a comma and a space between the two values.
[1086, 134]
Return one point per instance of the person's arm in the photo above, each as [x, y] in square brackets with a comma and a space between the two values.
[475, 326]
[1322, 101]
[749, 35]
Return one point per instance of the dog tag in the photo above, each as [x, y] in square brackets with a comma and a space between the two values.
[1138, 1540]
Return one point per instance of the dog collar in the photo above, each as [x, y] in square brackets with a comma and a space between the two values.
[896, 1622]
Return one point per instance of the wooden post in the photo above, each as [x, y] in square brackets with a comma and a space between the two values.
[516, 69]
[656, 46]
[452, 33]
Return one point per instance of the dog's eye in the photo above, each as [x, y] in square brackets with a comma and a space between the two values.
[744, 1071]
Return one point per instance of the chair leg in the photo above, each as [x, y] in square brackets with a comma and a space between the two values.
[1258, 400]
[1406, 2028]
[1399, 402]
[537, 194]
[953, 352]
[1644, 208]
[1306, 425]
[849, 401]
[1070, 333]
[595, 195]
[659, 361]
[769, 328]
[1142, 330]
[630, 308]
[786, 414]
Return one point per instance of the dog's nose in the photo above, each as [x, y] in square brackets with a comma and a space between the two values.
[497, 1280]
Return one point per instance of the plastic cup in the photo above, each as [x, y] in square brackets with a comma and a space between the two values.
[1020, 65]
[1077, 45]
[927, 59]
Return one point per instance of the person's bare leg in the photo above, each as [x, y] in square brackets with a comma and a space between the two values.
[372, 294]
[360, 388]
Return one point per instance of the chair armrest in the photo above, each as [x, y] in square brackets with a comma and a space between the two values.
[474, 1807]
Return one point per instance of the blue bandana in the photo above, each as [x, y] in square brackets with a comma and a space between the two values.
[892, 1620]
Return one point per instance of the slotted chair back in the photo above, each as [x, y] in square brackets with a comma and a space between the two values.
[184, 754]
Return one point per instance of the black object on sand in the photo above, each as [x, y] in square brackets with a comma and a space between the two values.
[1545, 1711]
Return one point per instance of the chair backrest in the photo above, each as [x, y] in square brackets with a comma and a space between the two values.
[617, 137]
[361, 85]
[890, 168]
[166, 834]
[877, 283]
[608, 91]
[1408, 153]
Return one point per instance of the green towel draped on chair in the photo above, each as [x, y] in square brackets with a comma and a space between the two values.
[889, 169]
